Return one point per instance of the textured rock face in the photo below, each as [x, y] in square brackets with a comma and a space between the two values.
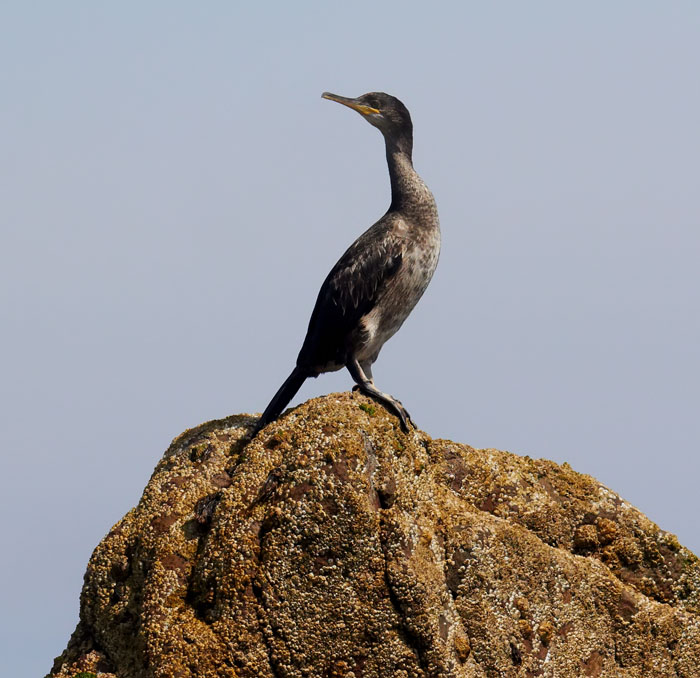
[335, 546]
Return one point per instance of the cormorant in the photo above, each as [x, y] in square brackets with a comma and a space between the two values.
[380, 278]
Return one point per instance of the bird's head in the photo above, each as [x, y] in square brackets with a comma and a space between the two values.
[382, 110]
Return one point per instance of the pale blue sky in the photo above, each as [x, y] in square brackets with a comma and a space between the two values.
[174, 191]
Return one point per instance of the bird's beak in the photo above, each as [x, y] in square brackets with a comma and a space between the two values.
[351, 103]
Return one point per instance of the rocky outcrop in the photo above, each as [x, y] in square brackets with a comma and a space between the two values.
[335, 546]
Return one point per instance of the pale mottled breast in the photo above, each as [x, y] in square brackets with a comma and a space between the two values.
[420, 253]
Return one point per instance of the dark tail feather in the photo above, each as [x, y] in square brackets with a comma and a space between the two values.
[281, 399]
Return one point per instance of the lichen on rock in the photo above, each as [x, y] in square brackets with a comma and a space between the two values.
[333, 545]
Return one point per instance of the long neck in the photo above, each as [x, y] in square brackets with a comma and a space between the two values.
[407, 189]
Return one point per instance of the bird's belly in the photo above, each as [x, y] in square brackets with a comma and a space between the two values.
[398, 300]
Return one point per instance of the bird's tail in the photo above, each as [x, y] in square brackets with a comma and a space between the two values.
[280, 400]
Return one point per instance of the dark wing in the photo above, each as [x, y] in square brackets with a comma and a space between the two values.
[350, 291]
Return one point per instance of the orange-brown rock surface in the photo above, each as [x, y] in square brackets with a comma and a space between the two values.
[335, 546]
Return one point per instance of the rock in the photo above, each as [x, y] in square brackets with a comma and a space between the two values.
[334, 545]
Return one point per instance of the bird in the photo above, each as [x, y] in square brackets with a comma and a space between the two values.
[379, 279]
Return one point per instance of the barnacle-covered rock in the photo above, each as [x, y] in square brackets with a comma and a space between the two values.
[333, 545]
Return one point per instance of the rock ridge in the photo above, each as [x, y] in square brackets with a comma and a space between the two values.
[333, 545]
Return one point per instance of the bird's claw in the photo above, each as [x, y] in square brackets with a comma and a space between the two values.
[390, 404]
[404, 417]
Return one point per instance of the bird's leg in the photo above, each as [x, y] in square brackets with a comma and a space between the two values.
[366, 386]
[366, 367]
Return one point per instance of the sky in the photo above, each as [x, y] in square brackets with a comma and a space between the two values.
[173, 191]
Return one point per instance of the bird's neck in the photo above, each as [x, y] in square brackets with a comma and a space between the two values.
[407, 189]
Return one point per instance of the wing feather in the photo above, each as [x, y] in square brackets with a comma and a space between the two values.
[349, 292]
